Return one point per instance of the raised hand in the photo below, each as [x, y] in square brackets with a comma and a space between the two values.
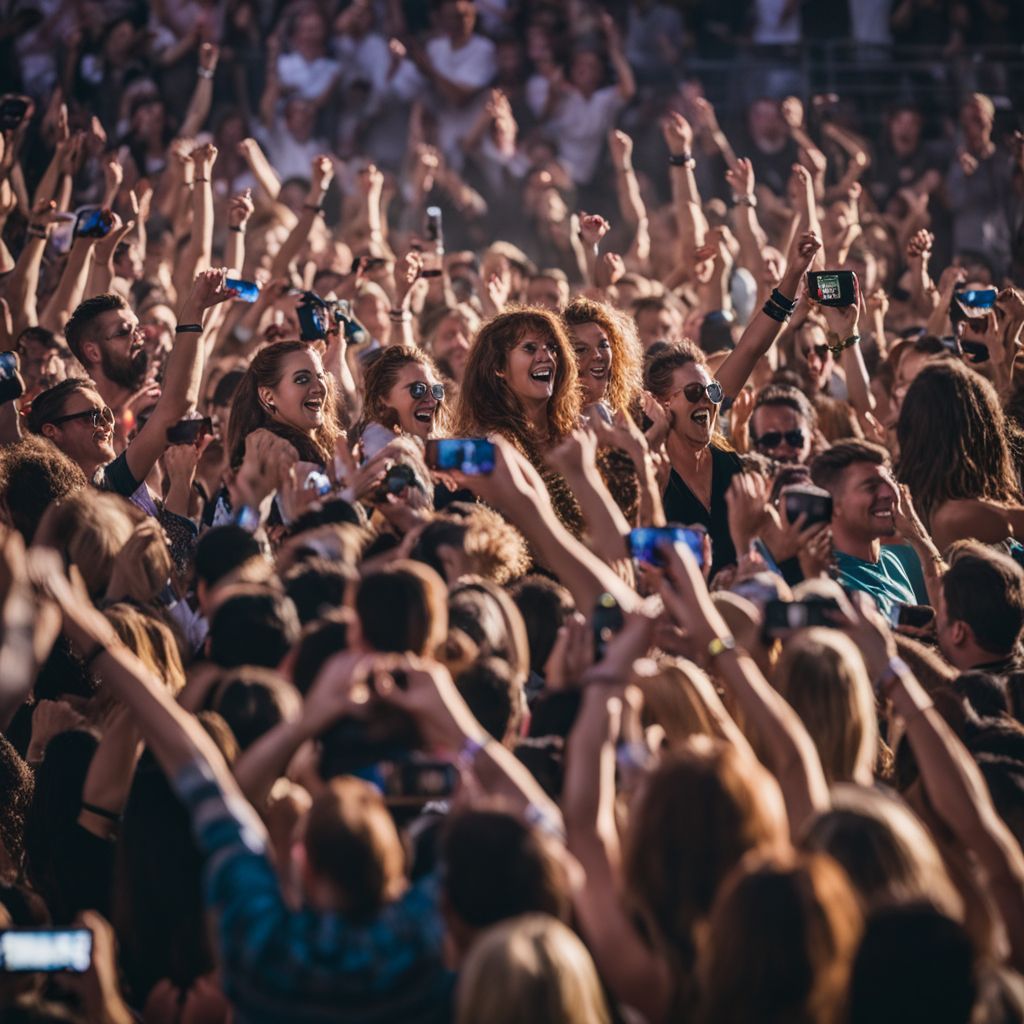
[204, 157]
[210, 288]
[678, 134]
[741, 177]
[241, 209]
[620, 145]
[792, 110]
[593, 227]
[209, 54]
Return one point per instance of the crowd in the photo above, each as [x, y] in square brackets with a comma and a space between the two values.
[485, 538]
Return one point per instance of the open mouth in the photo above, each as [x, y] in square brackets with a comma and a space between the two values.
[701, 417]
[883, 513]
[314, 405]
[425, 415]
[599, 372]
[544, 375]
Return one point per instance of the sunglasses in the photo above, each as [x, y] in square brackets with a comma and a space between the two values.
[97, 416]
[419, 390]
[695, 392]
[821, 351]
[794, 438]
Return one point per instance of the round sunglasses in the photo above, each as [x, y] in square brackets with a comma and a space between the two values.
[695, 392]
[98, 416]
[794, 438]
[419, 390]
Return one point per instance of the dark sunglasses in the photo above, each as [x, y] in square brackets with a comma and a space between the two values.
[794, 438]
[821, 351]
[97, 416]
[419, 390]
[695, 392]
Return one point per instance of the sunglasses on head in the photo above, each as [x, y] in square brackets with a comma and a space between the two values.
[695, 392]
[419, 390]
[97, 416]
[794, 438]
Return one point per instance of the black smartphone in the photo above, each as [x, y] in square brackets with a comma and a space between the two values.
[189, 431]
[433, 229]
[418, 782]
[94, 223]
[782, 617]
[396, 480]
[355, 333]
[606, 621]
[832, 287]
[645, 542]
[11, 384]
[313, 322]
[472, 456]
[25, 950]
[814, 502]
[12, 111]
[914, 616]
[975, 351]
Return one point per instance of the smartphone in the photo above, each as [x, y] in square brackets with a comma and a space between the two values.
[607, 620]
[247, 518]
[915, 616]
[434, 230]
[313, 323]
[814, 502]
[355, 333]
[977, 298]
[832, 287]
[975, 351]
[471, 456]
[319, 482]
[8, 365]
[12, 385]
[417, 782]
[12, 111]
[248, 291]
[397, 479]
[189, 431]
[782, 617]
[46, 949]
[645, 541]
[94, 223]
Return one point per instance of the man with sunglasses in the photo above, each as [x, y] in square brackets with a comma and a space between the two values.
[74, 416]
[782, 424]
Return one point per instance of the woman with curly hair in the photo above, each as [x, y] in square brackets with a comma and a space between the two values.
[956, 458]
[608, 356]
[402, 394]
[521, 382]
[287, 391]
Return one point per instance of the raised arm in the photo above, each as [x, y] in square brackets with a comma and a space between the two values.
[749, 233]
[71, 286]
[202, 96]
[625, 80]
[260, 166]
[631, 203]
[321, 176]
[199, 251]
[691, 223]
[844, 339]
[764, 329]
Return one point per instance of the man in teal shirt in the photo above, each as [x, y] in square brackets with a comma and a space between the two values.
[867, 506]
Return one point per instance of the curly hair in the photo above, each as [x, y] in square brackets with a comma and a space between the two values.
[378, 380]
[625, 381]
[487, 405]
[248, 413]
[953, 439]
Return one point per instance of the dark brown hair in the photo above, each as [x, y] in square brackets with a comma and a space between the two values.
[829, 465]
[379, 378]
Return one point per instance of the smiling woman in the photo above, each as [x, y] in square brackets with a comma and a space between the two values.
[287, 391]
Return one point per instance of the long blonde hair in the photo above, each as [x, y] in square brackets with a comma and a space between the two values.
[530, 968]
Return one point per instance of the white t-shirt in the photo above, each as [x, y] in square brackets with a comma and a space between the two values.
[290, 158]
[768, 31]
[580, 126]
[306, 78]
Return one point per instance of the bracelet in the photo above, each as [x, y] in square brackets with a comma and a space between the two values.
[780, 300]
[750, 201]
[842, 346]
[239, 229]
[204, 73]
[895, 667]
[400, 316]
[775, 311]
[721, 645]
[200, 179]
[189, 329]
[36, 231]
[682, 160]
[467, 754]
[317, 208]
[101, 812]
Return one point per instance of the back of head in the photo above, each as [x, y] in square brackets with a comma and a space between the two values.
[783, 935]
[985, 589]
[822, 675]
[222, 550]
[671, 701]
[496, 867]
[698, 814]
[252, 701]
[351, 843]
[889, 856]
[494, 696]
[403, 607]
[913, 963]
[532, 968]
[33, 475]
[544, 606]
[490, 618]
[318, 586]
[253, 626]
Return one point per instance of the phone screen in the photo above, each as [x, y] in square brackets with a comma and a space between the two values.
[8, 365]
[46, 950]
[472, 456]
[645, 541]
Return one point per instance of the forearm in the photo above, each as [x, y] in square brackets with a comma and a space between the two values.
[262, 171]
[858, 382]
[109, 779]
[198, 108]
[69, 291]
[606, 525]
[183, 373]
[299, 234]
[234, 250]
[50, 182]
[23, 284]
[267, 760]
[652, 509]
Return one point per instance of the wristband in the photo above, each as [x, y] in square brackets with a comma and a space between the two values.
[780, 300]
[467, 754]
[721, 645]
[189, 329]
[775, 311]
[895, 667]
[750, 201]
[239, 229]
[682, 160]
[35, 231]
[101, 812]
[204, 73]
[842, 346]
[400, 316]
[316, 207]
[200, 179]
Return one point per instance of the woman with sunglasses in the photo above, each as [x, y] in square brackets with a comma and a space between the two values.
[703, 464]
[402, 394]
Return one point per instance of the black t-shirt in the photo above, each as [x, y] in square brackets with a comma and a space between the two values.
[684, 507]
[117, 477]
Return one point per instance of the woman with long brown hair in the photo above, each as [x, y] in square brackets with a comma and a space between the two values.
[287, 391]
[402, 394]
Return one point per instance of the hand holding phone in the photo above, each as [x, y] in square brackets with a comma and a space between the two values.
[471, 456]
[94, 223]
[25, 950]
[836, 288]
[12, 385]
[190, 431]
[645, 541]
